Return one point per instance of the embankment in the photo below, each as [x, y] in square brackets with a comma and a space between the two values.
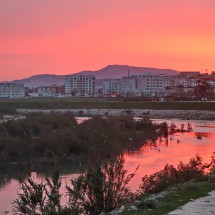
[154, 114]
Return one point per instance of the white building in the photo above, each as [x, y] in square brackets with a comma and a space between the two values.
[109, 87]
[80, 85]
[151, 85]
[11, 90]
[129, 86]
[185, 82]
[47, 91]
[147, 84]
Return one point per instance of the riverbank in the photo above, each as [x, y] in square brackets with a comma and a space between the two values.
[153, 114]
[189, 198]
[204, 205]
[8, 106]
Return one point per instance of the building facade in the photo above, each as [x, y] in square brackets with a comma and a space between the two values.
[147, 85]
[80, 85]
[153, 85]
[47, 91]
[109, 88]
[12, 90]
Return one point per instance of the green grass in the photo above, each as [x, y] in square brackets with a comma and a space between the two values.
[176, 197]
[99, 103]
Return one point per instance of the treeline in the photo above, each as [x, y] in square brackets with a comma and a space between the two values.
[56, 136]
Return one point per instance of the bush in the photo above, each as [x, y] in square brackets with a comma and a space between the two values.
[101, 189]
[171, 175]
[39, 199]
[98, 138]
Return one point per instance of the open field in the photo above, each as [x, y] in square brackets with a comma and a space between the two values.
[99, 103]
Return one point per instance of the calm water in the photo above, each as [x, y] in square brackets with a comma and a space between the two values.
[151, 157]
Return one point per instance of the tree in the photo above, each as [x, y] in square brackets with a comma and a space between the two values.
[39, 199]
[204, 90]
[101, 189]
[172, 128]
[182, 127]
[189, 127]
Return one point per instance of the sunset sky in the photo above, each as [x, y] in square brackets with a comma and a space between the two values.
[67, 36]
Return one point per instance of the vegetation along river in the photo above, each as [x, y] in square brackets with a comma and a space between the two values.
[151, 157]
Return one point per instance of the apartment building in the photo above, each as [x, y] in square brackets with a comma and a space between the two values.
[11, 90]
[80, 85]
[146, 84]
[109, 87]
[186, 82]
[150, 85]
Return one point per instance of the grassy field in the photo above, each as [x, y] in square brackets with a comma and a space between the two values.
[99, 103]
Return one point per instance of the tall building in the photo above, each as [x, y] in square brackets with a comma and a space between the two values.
[151, 85]
[11, 90]
[109, 87]
[146, 84]
[80, 85]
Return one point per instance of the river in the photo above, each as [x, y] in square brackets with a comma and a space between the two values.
[151, 157]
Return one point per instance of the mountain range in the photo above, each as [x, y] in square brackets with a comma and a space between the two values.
[109, 72]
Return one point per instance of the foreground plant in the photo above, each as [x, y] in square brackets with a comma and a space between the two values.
[39, 199]
[104, 188]
[101, 189]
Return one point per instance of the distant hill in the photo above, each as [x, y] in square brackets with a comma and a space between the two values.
[109, 72]
[41, 80]
[118, 71]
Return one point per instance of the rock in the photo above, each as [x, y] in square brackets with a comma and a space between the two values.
[133, 207]
[137, 203]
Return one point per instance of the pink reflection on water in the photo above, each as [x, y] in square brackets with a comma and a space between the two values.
[180, 147]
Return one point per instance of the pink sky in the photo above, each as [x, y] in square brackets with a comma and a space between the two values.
[67, 36]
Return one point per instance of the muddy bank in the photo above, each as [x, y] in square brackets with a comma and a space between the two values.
[154, 114]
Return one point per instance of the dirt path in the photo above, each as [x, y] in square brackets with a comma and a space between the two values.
[202, 206]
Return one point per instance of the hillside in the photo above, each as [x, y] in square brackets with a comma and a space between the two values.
[42, 80]
[109, 72]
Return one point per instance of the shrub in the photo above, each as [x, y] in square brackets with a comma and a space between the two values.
[39, 199]
[172, 128]
[191, 186]
[101, 189]
[171, 175]
[212, 164]
[95, 139]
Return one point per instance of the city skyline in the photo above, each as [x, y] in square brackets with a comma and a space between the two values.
[38, 37]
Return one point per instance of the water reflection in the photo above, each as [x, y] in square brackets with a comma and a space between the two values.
[151, 157]
[200, 135]
[4, 181]
[178, 147]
